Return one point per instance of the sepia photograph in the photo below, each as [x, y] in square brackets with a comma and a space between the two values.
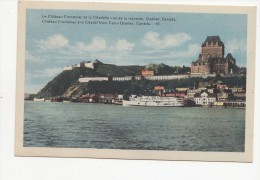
[128, 81]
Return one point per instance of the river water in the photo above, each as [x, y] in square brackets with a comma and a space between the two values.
[82, 125]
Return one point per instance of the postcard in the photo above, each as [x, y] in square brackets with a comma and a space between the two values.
[135, 81]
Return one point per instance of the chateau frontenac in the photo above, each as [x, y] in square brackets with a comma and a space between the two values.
[211, 60]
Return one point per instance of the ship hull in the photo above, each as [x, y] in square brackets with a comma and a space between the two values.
[38, 99]
[154, 102]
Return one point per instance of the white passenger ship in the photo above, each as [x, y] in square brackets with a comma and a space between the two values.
[154, 101]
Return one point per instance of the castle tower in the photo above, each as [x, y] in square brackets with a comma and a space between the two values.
[211, 59]
[212, 47]
[231, 63]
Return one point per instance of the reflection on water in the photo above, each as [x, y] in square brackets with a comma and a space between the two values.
[117, 127]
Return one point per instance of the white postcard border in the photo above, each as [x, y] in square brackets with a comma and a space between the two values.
[246, 156]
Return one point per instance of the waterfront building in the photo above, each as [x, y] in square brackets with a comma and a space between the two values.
[237, 89]
[88, 98]
[218, 103]
[106, 98]
[211, 90]
[192, 92]
[211, 60]
[181, 94]
[204, 99]
[222, 96]
[240, 95]
[240, 104]
[234, 104]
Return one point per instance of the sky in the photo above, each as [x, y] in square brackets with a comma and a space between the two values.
[177, 41]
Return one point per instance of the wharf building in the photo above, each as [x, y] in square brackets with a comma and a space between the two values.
[211, 60]
[204, 98]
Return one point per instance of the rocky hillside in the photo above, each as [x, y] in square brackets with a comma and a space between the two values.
[66, 83]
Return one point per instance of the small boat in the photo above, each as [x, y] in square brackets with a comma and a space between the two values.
[118, 102]
[38, 99]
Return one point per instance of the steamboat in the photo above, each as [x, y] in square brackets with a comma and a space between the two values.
[154, 101]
